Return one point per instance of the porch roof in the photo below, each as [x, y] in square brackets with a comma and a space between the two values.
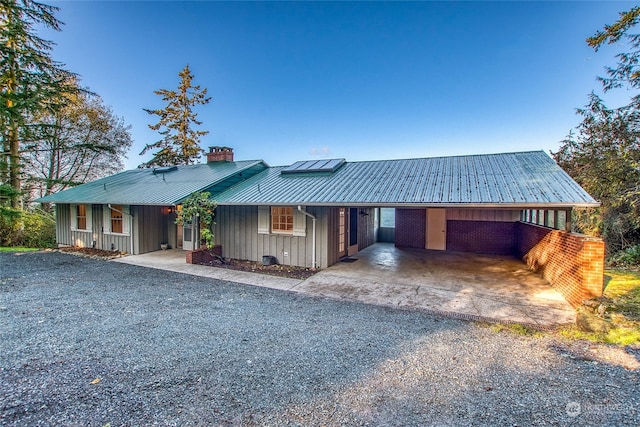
[517, 180]
[160, 186]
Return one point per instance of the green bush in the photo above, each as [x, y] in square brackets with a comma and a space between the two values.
[630, 257]
[33, 229]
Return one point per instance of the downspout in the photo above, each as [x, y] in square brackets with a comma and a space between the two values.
[130, 225]
[313, 238]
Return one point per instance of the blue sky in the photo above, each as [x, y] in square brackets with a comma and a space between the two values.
[295, 81]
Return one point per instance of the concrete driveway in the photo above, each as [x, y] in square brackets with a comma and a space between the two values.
[472, 286]
[462, 285]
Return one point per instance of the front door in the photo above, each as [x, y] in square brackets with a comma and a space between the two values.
[190, 236]
[342, 232]
[436, 229]
[180, 236]
[353, 231]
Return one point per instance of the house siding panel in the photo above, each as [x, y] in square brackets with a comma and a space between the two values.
[366, 228]
[236, 230]
[151, 227]
[500, 215]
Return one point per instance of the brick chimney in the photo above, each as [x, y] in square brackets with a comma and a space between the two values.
[220, 154]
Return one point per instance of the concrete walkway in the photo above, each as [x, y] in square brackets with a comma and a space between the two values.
[469, 286]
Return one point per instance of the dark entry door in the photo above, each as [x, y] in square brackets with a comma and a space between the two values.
[353, 226]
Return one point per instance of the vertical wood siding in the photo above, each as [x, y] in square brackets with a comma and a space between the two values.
[236, 230]
[502, 215]
[67, 237]
[152, 226]
[366, 227]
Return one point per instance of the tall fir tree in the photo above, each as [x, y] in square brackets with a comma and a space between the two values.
[603, 155]
[31, 82]
[180, 143]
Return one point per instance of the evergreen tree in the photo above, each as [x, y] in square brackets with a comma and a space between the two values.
[30, 82]
[180, 142]
[603, 156]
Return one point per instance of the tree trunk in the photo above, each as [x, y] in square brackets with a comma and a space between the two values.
[14, 165]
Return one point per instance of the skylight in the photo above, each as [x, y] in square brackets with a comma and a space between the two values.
[164, 169]
[308, 166]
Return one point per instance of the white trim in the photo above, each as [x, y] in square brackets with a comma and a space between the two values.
[73, 214]
[264, 219]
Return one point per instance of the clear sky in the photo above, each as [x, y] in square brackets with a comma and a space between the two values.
[299, 80]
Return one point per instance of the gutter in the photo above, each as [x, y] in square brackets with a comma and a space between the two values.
[313, 239]
[130, 224]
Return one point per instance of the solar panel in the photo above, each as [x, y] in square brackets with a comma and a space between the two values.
[308, 166]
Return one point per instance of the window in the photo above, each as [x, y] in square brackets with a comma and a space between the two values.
[282, 220]
[116, 219]
[82, 217]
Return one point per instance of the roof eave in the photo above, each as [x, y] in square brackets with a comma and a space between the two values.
[422, 205]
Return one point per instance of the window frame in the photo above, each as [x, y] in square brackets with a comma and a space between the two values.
[282, 216]
[75, 216]
[265, 221]
[108, 218]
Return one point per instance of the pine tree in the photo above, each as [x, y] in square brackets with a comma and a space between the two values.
[180, 143]
[30, 82]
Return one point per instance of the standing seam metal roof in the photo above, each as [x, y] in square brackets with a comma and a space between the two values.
[144, 187]
[510, 179]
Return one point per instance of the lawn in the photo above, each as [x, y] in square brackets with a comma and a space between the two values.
[17, 249]
[619, 308]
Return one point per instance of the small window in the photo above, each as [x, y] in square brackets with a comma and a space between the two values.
[116, 219]
[282, 220]
[81, 217]
[387, 217]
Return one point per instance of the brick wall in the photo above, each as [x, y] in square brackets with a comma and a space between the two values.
[572, 263]
[411, 225]
[489, 237]
[203, 256]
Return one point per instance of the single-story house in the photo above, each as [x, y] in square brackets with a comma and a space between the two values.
[313, 213]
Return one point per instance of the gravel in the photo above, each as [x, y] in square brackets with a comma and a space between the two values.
[92, 342]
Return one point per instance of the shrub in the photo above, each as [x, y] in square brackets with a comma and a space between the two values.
[630, 257]
[33, 229]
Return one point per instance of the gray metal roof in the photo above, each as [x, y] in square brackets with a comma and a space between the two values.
[144, 187]
[525, 179]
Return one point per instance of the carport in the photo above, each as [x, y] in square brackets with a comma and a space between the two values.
[466, 285]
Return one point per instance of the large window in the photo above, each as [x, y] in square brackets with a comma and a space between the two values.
[116, 219]
[282, 220]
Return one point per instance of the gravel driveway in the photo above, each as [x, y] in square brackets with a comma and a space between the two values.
[90, 342]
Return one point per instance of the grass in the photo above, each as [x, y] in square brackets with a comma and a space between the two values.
[17, 249]
[515, 328]
[622, 287]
